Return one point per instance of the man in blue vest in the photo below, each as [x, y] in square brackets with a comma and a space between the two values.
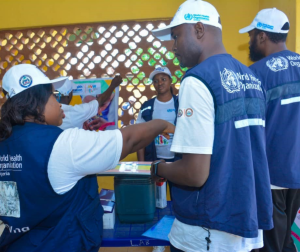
[221, 192]
[278, 68]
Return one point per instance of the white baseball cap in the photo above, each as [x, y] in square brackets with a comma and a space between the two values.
[23, 76]
[66, 88]
[190, 12]
[270, 20]
[158, 70]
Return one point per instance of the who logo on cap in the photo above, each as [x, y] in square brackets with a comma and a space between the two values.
[269, 20]
[21, 77]
[190, 12]
[158, 70]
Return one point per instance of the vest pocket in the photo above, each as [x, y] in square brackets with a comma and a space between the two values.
[37, 236]
[91, 222]
[187, 201]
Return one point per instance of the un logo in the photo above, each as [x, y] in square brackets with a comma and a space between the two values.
[230, 81]
[277, 64]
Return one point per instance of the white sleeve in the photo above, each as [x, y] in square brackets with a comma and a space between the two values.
[139, 119]
[78, 114]
[194, 131]
[77, 153]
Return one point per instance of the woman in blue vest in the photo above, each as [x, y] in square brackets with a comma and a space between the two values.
[48, 187]
[163, 106]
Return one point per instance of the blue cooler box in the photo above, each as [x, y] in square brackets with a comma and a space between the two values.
[135, 199]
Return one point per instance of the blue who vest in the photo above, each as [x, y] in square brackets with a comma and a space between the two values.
[37, 218]
[236, 197]
[147, 113]
[280, 75]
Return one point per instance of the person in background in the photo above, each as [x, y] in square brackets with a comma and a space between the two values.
[278, 68]
[48, 186]
[78, 114]
[163, 106]
[221, 192]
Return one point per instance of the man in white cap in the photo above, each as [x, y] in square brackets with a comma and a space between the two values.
[78, 114]
[221, 193]
[278, 68]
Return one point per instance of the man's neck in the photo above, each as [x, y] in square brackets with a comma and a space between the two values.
[275, 48]
[214, 50]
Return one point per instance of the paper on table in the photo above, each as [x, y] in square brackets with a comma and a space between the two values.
[129, 168]
[162, 229]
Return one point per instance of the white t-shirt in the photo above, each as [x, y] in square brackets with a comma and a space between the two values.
[165, 111]
[78, 114]
[77, 153]
[273, 187]
[194, 134]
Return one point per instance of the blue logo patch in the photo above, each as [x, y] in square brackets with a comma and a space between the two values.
[188, 16]
[160, 69]
[170, 110]
[25, 81]
[196, 17]
[264, 26]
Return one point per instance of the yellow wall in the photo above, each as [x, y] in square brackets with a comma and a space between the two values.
[32, 13]
[236, 14]
[297, 32]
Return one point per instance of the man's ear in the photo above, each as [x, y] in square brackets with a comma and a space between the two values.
[262, 37]
[199, 29]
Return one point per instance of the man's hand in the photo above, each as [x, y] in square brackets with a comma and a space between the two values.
[116, 81]
[153, 176]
